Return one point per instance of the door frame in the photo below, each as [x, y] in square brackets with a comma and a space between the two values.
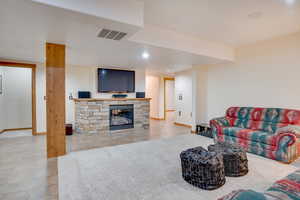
[33, 88]
[165, 94]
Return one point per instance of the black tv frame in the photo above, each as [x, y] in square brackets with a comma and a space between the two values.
[98, 76]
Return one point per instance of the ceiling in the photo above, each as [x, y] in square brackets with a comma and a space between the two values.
[226, 21]
[26, 26]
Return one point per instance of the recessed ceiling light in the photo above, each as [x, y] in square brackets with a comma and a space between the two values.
[145, 55]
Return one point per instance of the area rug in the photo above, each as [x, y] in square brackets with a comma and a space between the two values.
[151, 171]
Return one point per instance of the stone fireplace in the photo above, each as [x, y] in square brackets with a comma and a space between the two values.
[100, 115]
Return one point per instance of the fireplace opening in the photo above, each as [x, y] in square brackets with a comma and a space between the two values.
[121, 117]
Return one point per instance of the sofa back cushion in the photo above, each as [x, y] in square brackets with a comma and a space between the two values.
[264, 119]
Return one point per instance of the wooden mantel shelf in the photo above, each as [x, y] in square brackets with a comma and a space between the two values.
[113, 99]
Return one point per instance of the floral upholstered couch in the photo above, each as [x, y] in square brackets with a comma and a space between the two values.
[268, 132]
[284, 189]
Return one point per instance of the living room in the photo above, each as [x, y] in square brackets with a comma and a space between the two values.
[104, 69]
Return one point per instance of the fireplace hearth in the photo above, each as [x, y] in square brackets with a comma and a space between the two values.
[121, 117]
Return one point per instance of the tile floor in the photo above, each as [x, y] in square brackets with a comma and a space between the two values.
[26, 174]
[157, 129]
[13, 134]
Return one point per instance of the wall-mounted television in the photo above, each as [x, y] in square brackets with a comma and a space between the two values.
[115, 80]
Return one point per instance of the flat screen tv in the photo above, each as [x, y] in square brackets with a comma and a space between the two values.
[114, 80]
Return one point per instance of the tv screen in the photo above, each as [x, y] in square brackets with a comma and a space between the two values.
[114, 80]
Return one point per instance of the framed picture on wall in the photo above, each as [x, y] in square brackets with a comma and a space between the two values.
[0, 84]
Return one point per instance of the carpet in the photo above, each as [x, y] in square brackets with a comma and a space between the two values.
[151, 171]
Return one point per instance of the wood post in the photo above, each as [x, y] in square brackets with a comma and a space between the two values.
[55, 97]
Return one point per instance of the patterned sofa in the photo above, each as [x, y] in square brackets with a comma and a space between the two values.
[285, 189]
[268, 132]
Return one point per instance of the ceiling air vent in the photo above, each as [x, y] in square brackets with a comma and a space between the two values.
[111, 34]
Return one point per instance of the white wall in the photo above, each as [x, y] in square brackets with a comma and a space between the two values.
[184, 87]
[201, 103]
[85, 79]
[166, 38]
[2, 114]
[16, 98]
[265, 74]
[77, 78]
[170, 95]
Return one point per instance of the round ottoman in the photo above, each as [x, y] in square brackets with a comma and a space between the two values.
[234, 158]
[202, 169]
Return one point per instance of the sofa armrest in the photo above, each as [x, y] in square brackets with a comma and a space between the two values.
[221, 121]
[286, 139]
[216, 126]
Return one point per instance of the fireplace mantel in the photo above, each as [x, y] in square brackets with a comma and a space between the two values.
[93, 115]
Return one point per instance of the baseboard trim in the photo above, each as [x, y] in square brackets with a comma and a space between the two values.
[170, 110]
[40, 133]
[184, 125]
[14, 129]
[154, 118]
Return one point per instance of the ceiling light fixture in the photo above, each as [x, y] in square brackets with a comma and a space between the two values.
[145, 55]
[290, 2]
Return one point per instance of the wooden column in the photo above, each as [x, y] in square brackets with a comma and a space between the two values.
[55, 93]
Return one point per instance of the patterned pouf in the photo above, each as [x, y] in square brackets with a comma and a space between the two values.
[234, 158]
[202, 169]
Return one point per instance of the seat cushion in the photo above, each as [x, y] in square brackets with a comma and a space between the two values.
[251, 135]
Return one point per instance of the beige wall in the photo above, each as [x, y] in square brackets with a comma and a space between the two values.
[200, 99]
[2, 115]
[152, 91]
[77, 78]
[155, 91]
[184, 87]
[265, 74]
[170, 94]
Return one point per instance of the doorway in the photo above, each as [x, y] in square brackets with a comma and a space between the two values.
[169, 108]
[17, 99]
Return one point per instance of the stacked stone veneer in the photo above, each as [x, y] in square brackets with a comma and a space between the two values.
[93, 116]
